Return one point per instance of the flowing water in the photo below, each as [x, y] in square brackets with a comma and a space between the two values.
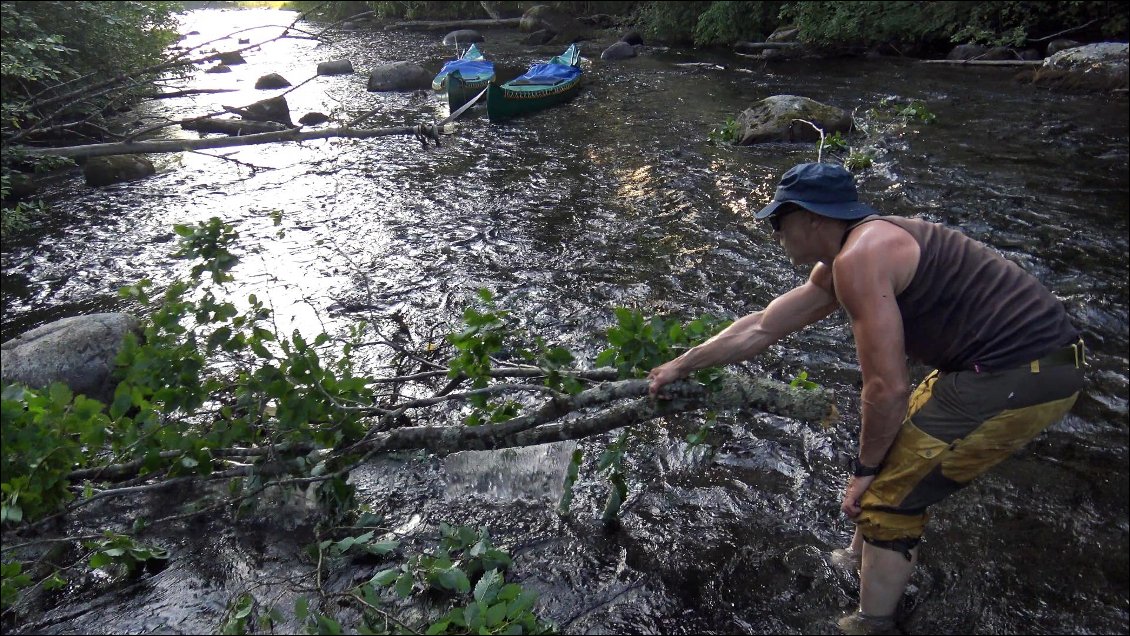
[618, 199]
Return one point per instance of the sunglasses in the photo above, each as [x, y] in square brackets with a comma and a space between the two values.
[775, 220]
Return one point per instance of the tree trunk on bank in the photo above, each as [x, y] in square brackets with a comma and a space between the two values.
[986, 62]
[757, 47]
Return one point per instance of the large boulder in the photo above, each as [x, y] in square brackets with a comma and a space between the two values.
[101, 171]
[1061, 44]
[1098, 66]
[632, 37]
[231, 58]
[619, 51]
[77, 351]
[399, 76]
[777, 118]
[271, 80]
[463, 37]
[335, 67]
[967, 52]
[544, 17]
[537, 38]
[313, 118]
[999, 53]
[274, 109]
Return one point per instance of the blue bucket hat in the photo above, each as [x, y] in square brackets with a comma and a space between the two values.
[823, 188]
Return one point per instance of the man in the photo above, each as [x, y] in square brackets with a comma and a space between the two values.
[1008, 362]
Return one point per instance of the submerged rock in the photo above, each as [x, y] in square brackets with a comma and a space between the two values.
[100, 171]
[335, 67]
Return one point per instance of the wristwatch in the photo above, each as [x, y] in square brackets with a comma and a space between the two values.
[859, 470]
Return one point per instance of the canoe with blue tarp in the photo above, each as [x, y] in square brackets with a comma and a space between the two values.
[543, 85]
[464, 78]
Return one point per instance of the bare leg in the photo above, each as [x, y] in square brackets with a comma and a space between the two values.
[883, 579]
[848, 559]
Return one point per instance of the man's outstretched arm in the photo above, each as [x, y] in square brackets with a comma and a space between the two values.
[752, 334]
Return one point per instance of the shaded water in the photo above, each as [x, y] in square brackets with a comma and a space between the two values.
[617, 199]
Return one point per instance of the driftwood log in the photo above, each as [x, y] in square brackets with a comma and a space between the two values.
[422, 25]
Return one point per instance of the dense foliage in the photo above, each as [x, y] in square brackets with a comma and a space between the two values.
[52, 49]
[926, 28]
[915, 27]
[70, 66]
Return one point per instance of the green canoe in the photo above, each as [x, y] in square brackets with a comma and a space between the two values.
[464, 78]
[542, 86]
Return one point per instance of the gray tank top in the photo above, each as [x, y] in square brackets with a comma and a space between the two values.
[968, 307]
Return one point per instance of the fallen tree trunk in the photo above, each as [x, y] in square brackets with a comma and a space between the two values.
[754, 47]
[183, 145]
[424, 25]
[190, 91]
[986, 62]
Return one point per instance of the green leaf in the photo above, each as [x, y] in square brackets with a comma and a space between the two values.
[60, 394]
[382, 547]
[488, 587]
[99, 560]
[509, 592]
[473, 615]
[454, 579]
[384, 577]
[523, 603]
[404, 585]
[496, 614]
[327, 625]
[54, 582]
[301, 608]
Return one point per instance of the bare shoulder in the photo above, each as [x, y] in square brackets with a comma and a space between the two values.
[881, 250]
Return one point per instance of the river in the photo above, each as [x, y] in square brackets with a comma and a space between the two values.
[619, 199]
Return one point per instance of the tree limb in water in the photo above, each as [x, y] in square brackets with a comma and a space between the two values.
[181, 145]
[542, 427]
[604, 408]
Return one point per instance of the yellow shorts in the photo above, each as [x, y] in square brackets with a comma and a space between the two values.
[958, 426]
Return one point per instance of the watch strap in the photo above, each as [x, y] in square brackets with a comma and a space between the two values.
[860, 470]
